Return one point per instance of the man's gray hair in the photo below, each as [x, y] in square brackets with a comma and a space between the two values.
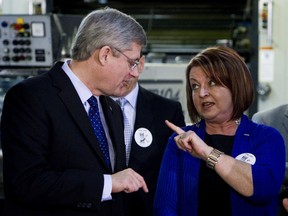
[109, 27]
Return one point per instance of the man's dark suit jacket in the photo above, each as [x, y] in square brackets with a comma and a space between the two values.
[52, 162]
[277, 117]
[151, 112]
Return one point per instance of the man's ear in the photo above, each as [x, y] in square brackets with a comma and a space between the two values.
[104, 54]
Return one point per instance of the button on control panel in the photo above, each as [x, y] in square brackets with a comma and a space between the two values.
[25, 41]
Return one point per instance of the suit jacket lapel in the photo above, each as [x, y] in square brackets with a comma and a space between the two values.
[143, 119]
[113, 116]
[143, 111]
[74, 105]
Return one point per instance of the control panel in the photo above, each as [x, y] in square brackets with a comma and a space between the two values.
[25, 41]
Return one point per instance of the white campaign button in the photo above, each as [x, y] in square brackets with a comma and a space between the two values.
[247, 157]
[143, 137]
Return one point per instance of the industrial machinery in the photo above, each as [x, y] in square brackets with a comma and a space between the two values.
[25, 41]
[25, 48]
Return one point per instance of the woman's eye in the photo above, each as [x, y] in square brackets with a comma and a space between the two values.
[212, 83]
[194, 86]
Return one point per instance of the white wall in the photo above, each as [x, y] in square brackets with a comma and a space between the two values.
[9, 6]
[279, 48]
[21, 6]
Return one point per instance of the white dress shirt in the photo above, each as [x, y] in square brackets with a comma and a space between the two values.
[84, 94]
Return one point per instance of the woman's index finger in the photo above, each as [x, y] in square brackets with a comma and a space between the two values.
[173, 127]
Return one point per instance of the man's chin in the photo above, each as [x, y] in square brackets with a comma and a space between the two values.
[121, 92]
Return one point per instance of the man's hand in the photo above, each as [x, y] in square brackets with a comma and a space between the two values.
[128, 181]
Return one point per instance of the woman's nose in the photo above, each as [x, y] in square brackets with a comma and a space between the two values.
[203, 91]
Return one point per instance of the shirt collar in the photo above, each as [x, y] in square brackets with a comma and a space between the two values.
[82, 90]
[132, 96]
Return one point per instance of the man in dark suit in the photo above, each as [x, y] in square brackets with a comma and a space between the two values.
[147, 113]
[53, 164]
[277, 117]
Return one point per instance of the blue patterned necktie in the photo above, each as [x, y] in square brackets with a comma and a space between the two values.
[127, 128]
[94, 117]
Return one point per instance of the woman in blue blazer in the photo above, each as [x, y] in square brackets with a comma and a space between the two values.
[223, 164]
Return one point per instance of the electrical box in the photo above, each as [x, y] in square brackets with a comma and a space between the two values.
[25, 41]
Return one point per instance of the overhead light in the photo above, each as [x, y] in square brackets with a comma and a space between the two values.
[89, 1]
[102, 1]
[99, 1]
